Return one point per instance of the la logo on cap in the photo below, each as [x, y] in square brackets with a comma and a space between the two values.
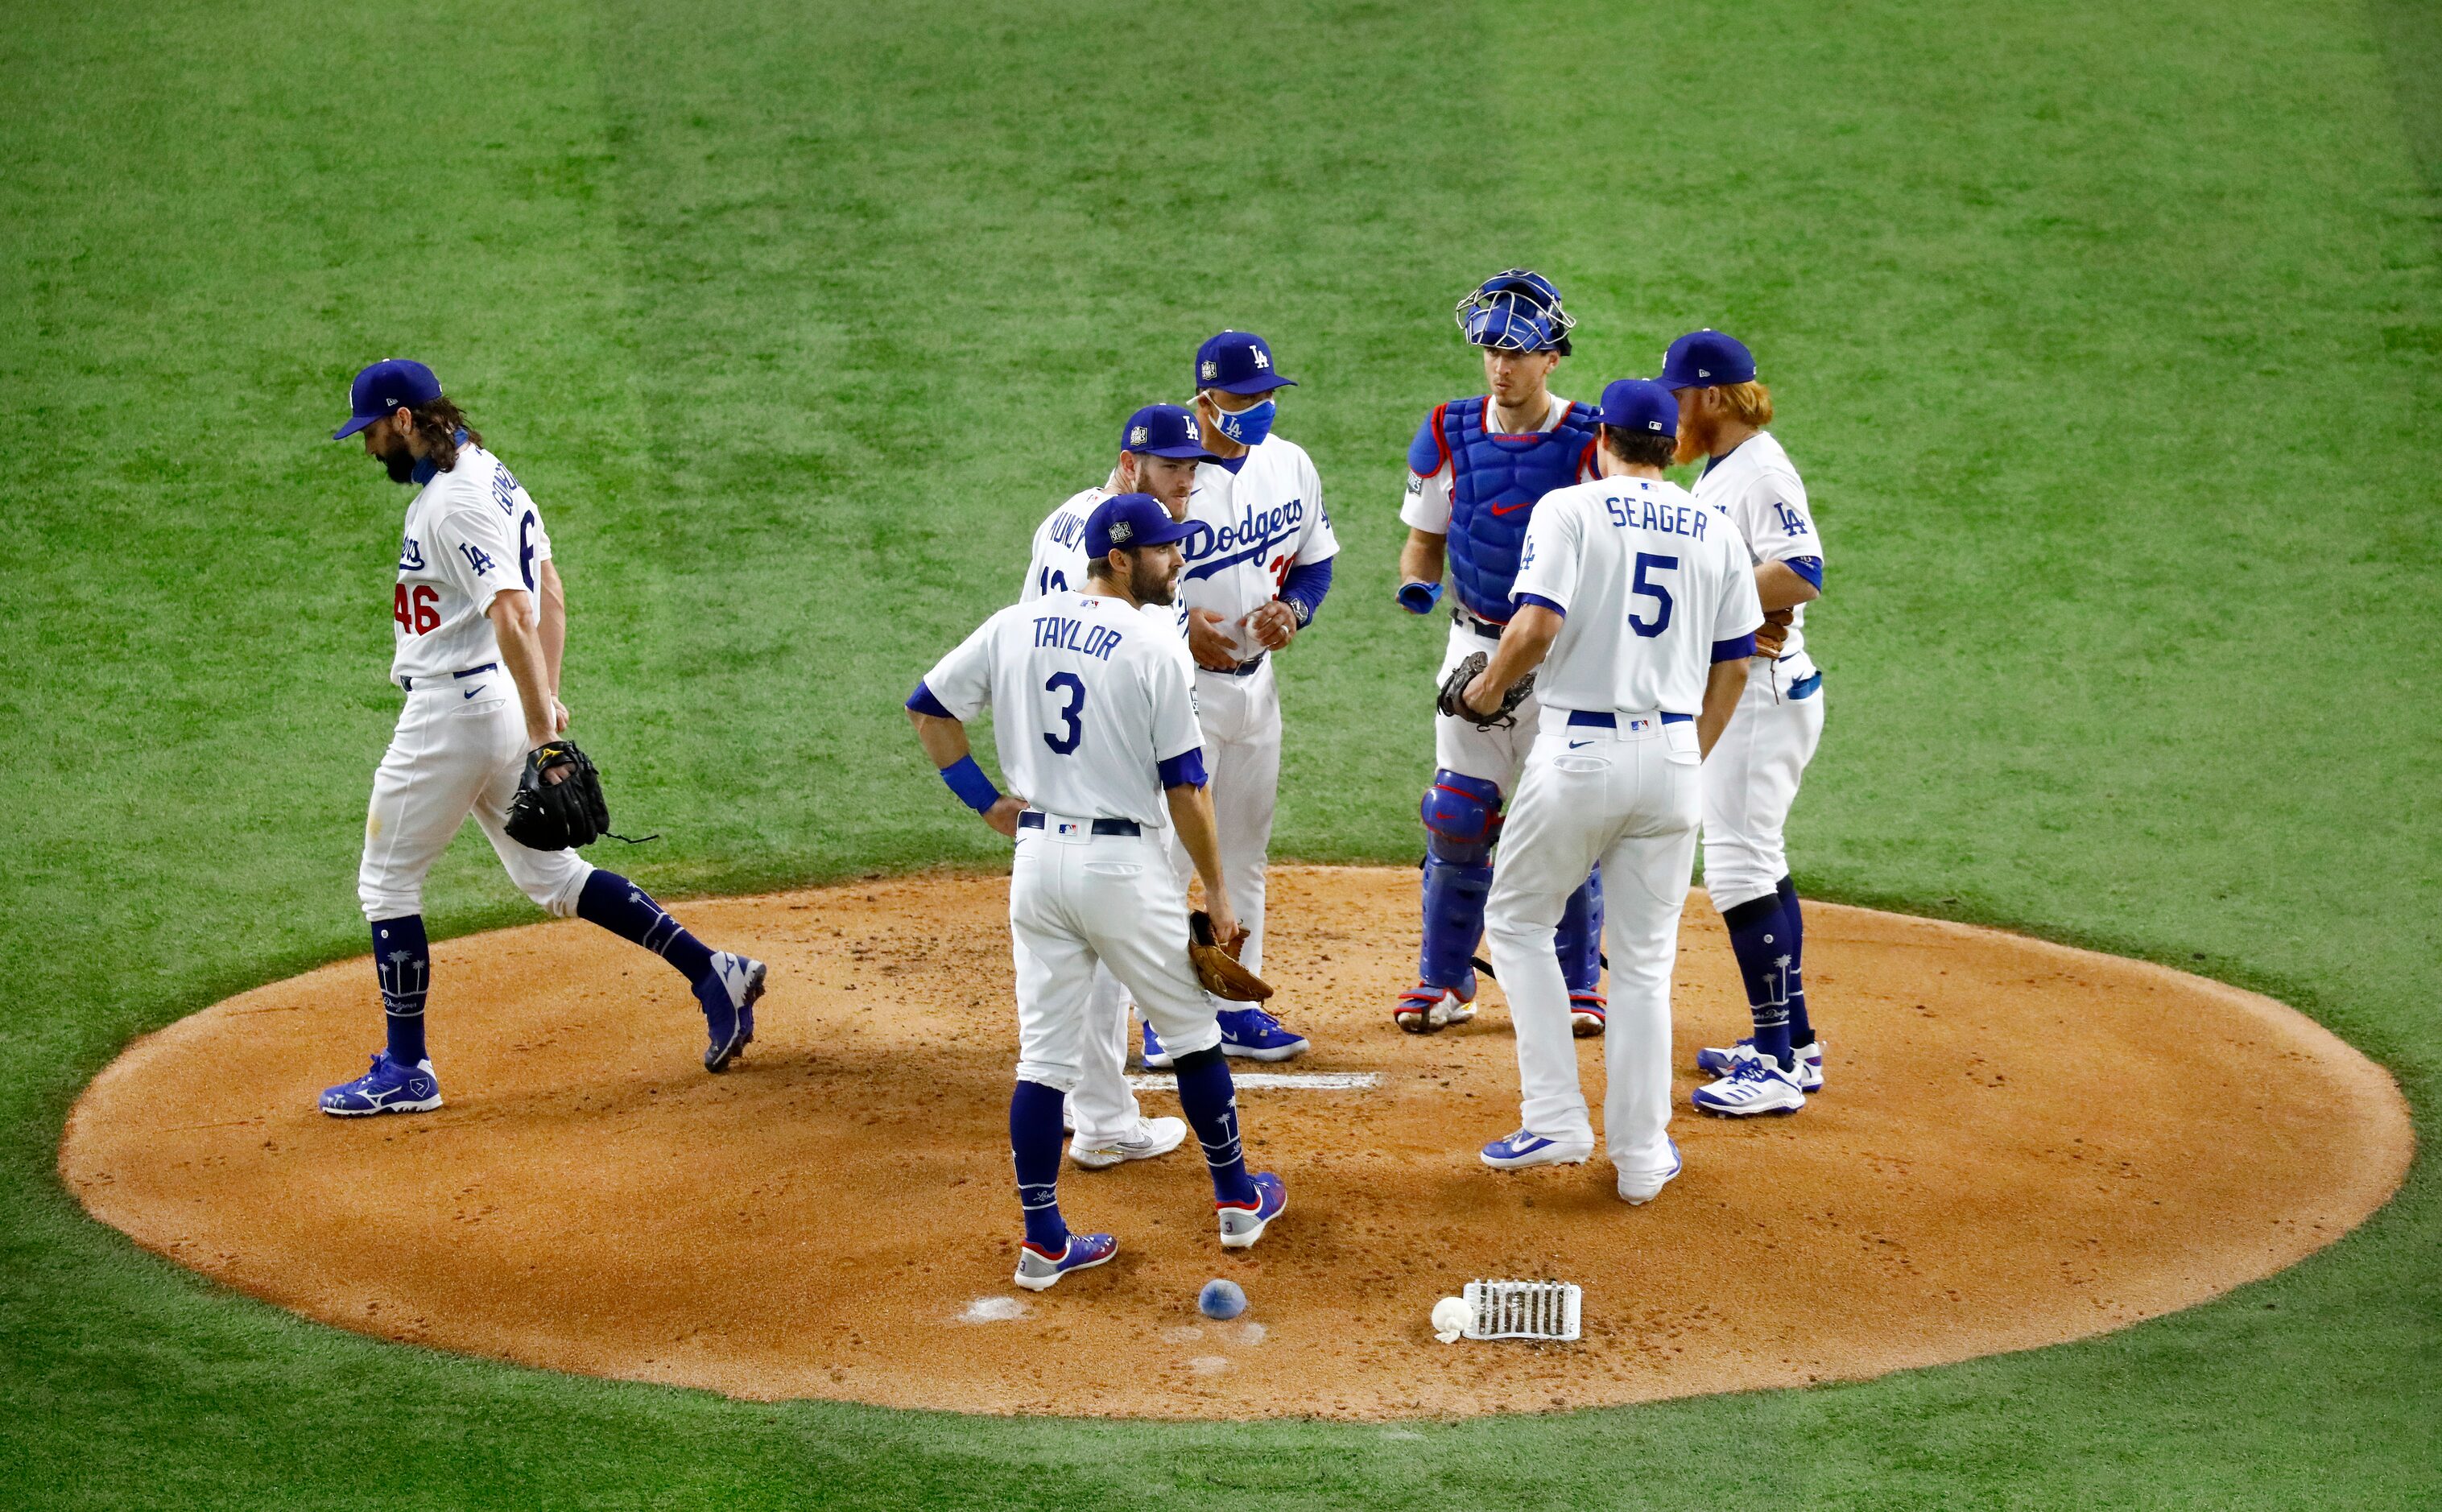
[1212, 368]
[1261, 360]
[1136, 436]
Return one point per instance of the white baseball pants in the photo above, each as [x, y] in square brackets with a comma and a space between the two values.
[1627, 798]
[1491, 755]
[1103, 1108]
[459, 750]
[1750, 783]
[1240, 717]
[1075, 899]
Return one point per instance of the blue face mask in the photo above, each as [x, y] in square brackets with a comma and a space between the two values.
[1249, 427]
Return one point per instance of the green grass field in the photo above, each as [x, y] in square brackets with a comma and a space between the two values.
[2109, 336]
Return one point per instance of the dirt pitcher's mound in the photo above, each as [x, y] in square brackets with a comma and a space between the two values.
[2018, 1143]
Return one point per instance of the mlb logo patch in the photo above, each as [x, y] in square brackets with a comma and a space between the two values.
[1639, 726]
[1070, 830]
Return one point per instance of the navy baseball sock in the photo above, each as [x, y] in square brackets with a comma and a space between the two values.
[1760, 937]
[1034, 1144]
[1211, 1104]
[404, 965]
[629, 911]
[1801, 1028]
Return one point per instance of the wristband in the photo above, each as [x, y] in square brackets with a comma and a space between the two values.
[968, 781]
[1419, 598]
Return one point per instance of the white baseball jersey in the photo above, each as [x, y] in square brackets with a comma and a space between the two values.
[1758, 490]
[1648, 582]
[1092, 707]
[1428, 504]
[471, 532]
[1261, 515]
[1059, 563]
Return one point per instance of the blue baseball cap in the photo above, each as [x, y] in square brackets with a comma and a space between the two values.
[1132, 519]
[393, 383]
[1706, 360]
[1642, 406]
[1165, 431]
[1237, 362]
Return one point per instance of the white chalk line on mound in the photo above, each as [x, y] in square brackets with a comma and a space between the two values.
[1284, 1081]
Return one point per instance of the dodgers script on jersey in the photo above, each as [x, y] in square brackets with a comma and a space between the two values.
[1059, 563]
[1256, 523]
[471, 533]
[1639, 569]
[1089, 698]
[1757, 488]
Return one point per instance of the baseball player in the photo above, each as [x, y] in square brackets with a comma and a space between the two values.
[1637, 612]
[1258, 566]
[1751, 778]
[1476, 469]
[1094, 718]
[480, 622]
[1159, 448]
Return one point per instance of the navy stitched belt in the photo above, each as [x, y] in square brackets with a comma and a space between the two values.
[1031, 820]
[1587, 719]
[406, 685]
[1481, 627]
[1242, 669]
[1807, 686]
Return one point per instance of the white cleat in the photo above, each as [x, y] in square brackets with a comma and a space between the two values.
[1754, 1085]
[1154, 1138]
[1637, 1187]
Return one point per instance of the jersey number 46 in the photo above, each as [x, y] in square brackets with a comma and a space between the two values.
[416, 613]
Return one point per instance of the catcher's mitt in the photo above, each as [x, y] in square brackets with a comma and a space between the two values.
[1216, 965]
[547, 815]
[1453, 704]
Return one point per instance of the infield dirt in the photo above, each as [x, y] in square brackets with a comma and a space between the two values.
[2018, 1143]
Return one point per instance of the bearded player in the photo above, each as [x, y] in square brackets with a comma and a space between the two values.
[1476, 469]
[481, 620]
[1751, 776]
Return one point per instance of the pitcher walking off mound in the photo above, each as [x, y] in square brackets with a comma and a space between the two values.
[480, 619]
[1640, 611]
[1094, 720]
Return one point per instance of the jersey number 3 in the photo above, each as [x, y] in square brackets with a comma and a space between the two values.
[416, 613]
[1069, 684]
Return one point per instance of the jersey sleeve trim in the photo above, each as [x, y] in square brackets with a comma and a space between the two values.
[1809, 567]
[922, 701]
[1735, 650]
[1538, 601]
[1185, 769]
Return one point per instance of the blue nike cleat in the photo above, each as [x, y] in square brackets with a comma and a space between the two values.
[1255, 1036]
[1724, 1060]
[1038, 1268]
[728, 992]
[1156, 1058]
[1524, 1148]
[389, 1087]
[1242, 1223]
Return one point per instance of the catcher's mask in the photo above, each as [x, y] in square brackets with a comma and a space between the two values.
[1516, 310]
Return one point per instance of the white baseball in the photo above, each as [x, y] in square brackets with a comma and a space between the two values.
[1451, 1316]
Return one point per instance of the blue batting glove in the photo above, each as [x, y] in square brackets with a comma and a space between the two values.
[1419, 598]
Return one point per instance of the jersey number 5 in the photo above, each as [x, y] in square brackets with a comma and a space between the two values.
[415, 614]
[1642, 589]
[1069, 684]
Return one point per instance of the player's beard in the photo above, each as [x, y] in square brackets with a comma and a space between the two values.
[399, 459]
[1695, 443]
[1149, 584]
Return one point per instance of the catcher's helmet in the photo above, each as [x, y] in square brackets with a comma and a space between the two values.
[1516, 310]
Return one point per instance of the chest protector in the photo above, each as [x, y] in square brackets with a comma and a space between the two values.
[1495, 481]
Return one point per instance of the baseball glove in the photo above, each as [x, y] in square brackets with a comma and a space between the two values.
[547, 815]
[1452, 701]
[1216, 965]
